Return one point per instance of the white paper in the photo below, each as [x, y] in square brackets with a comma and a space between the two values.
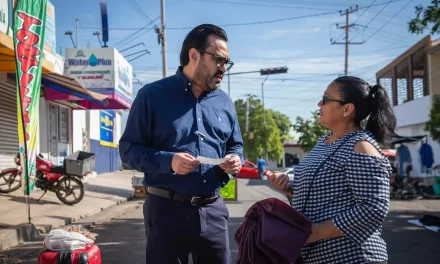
[205, 160]
[433, 228]
[416, 222]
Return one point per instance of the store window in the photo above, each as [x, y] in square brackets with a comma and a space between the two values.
[387, 82]
[59, 141]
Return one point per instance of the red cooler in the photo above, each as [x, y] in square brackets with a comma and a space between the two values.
[90, 255]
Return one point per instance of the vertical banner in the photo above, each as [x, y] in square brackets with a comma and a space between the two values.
[29, 25]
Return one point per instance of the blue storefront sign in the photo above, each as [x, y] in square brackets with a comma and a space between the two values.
[107, 128]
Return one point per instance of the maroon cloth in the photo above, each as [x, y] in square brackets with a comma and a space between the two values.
[272, 232]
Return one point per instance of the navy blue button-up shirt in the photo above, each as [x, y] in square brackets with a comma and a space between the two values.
[164, 119]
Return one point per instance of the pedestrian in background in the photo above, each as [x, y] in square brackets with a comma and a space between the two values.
[343, 184]
[171, 122]
[261, 164]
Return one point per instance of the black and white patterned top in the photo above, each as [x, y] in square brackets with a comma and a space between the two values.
[352, 190]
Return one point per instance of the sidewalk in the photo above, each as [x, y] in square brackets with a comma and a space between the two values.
[101, 192]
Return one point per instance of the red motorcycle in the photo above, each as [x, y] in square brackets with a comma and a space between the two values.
[49, 177]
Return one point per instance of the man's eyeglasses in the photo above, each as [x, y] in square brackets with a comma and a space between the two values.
[325, 100]
[219, 60]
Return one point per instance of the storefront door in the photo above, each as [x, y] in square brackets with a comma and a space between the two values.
[59, 127]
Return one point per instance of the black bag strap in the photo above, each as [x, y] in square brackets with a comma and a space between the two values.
[317, 170]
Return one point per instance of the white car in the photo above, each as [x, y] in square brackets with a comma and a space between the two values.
[289, 172]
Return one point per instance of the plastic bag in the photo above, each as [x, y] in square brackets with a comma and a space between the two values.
[69, 238]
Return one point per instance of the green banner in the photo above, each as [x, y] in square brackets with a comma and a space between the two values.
[29, 25]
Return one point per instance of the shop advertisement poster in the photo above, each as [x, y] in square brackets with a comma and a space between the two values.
[4, 16]
[124, 79]
[49, 36]
[93, 68]
[107, 128]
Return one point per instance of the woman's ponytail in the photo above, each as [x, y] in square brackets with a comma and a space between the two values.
[382, 121]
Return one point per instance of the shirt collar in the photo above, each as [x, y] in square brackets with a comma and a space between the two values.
[186, 84]
[183, 81]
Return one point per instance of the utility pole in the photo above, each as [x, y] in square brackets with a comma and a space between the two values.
[163, 39]
[76, 35]
[347, 27]
[268, 72]
[247, 113]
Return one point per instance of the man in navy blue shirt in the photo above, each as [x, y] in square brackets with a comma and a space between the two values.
[173, 121]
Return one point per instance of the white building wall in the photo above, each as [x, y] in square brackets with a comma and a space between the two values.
[79, 126]
[413, 112]
[94, 125]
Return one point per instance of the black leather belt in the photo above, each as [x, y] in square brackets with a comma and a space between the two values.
[194, 200]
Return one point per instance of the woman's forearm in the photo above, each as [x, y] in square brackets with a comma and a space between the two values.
[324, 230]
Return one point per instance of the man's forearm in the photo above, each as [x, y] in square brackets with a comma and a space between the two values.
[145, 159]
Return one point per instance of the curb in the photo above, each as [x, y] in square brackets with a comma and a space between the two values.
[15, 235]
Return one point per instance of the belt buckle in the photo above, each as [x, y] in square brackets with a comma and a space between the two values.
[193, 199]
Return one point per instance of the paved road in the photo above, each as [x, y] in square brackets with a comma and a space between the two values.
[122, 239]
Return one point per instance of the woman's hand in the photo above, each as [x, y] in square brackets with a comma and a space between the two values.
[314, 236]
[280, 181]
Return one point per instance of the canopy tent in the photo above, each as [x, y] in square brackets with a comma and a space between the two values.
[397, 139]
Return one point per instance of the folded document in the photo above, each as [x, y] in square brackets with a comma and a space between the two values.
[211, 161]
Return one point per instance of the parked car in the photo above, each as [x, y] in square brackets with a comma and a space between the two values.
[289, 172]
[250, 171]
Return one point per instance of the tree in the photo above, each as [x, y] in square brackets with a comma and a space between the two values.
[311, 130]
[283, 123]
[433, 125]
[431, 16]
[254, 138]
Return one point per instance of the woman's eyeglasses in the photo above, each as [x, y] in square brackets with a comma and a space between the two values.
[325, 100]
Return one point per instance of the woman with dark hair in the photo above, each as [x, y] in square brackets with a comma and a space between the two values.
[342, 185]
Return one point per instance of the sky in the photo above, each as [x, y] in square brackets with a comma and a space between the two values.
[262, 34]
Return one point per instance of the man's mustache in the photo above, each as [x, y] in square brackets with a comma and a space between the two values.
[218, 74]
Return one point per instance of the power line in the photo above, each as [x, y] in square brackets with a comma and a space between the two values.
[138, 9]
[377, 14]
[265, 5]
[386, 23]
[128, 38]
[280, 20]
[116, 28]
[264, 22]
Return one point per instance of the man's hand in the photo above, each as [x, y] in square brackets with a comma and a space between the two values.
[183, 163]
[232, 165]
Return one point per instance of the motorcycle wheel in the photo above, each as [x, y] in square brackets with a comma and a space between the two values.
[9, 178]
[65, 189]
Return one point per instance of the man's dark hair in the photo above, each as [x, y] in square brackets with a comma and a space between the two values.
[198, 39]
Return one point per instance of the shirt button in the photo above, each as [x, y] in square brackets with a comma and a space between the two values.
[186, 90]
[189, 84]
[204, 181]
[201, 139]
[200, 119]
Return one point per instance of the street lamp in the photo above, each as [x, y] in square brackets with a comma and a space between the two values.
[70, 34]
[97, 34]
[268, 72]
